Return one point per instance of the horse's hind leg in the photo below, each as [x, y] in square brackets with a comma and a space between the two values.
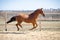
[17, 27]
[20, 25]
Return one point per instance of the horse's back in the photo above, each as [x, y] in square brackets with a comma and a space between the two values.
[24, 15]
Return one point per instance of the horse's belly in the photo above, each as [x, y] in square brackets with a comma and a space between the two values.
[28, 20]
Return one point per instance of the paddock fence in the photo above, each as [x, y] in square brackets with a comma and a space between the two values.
[50, 21]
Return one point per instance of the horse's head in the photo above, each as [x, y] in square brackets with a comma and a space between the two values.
[40, 11]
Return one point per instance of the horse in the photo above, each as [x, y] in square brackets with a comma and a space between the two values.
[31, 18]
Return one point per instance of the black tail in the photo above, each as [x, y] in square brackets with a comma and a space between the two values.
[12, 19]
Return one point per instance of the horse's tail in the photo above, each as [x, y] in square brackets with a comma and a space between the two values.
[12, 19]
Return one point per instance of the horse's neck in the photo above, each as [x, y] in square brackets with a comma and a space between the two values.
[33, 15]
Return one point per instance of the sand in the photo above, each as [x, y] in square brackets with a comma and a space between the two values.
[30, 35]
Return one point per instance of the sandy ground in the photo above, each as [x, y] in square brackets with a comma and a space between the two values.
[30, 35]
[50, 31]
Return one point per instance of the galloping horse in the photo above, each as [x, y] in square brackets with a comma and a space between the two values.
[31, 18]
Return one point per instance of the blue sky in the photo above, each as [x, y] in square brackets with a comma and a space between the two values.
[28, 4]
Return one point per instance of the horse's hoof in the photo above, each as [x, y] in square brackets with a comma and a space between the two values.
[5, 29]
[17, 30]
[30, 29]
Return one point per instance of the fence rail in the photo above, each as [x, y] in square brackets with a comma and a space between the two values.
[51, 18]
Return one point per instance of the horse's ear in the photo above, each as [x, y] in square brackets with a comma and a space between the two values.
[41, 8]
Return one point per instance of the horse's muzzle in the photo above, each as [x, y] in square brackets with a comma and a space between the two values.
[43, 15]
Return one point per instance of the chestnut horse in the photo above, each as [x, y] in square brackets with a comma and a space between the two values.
[31, 18]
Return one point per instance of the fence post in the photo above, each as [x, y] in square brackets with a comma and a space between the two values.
[5, 21]
[40, 25]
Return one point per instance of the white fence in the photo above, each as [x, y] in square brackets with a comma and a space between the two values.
[50, 17]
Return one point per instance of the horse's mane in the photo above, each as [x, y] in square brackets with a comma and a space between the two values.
[33, 13]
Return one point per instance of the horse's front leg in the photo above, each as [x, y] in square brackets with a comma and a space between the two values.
[17, 27]
[34, 25]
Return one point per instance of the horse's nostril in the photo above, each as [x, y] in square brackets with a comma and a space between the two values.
[43, 15]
